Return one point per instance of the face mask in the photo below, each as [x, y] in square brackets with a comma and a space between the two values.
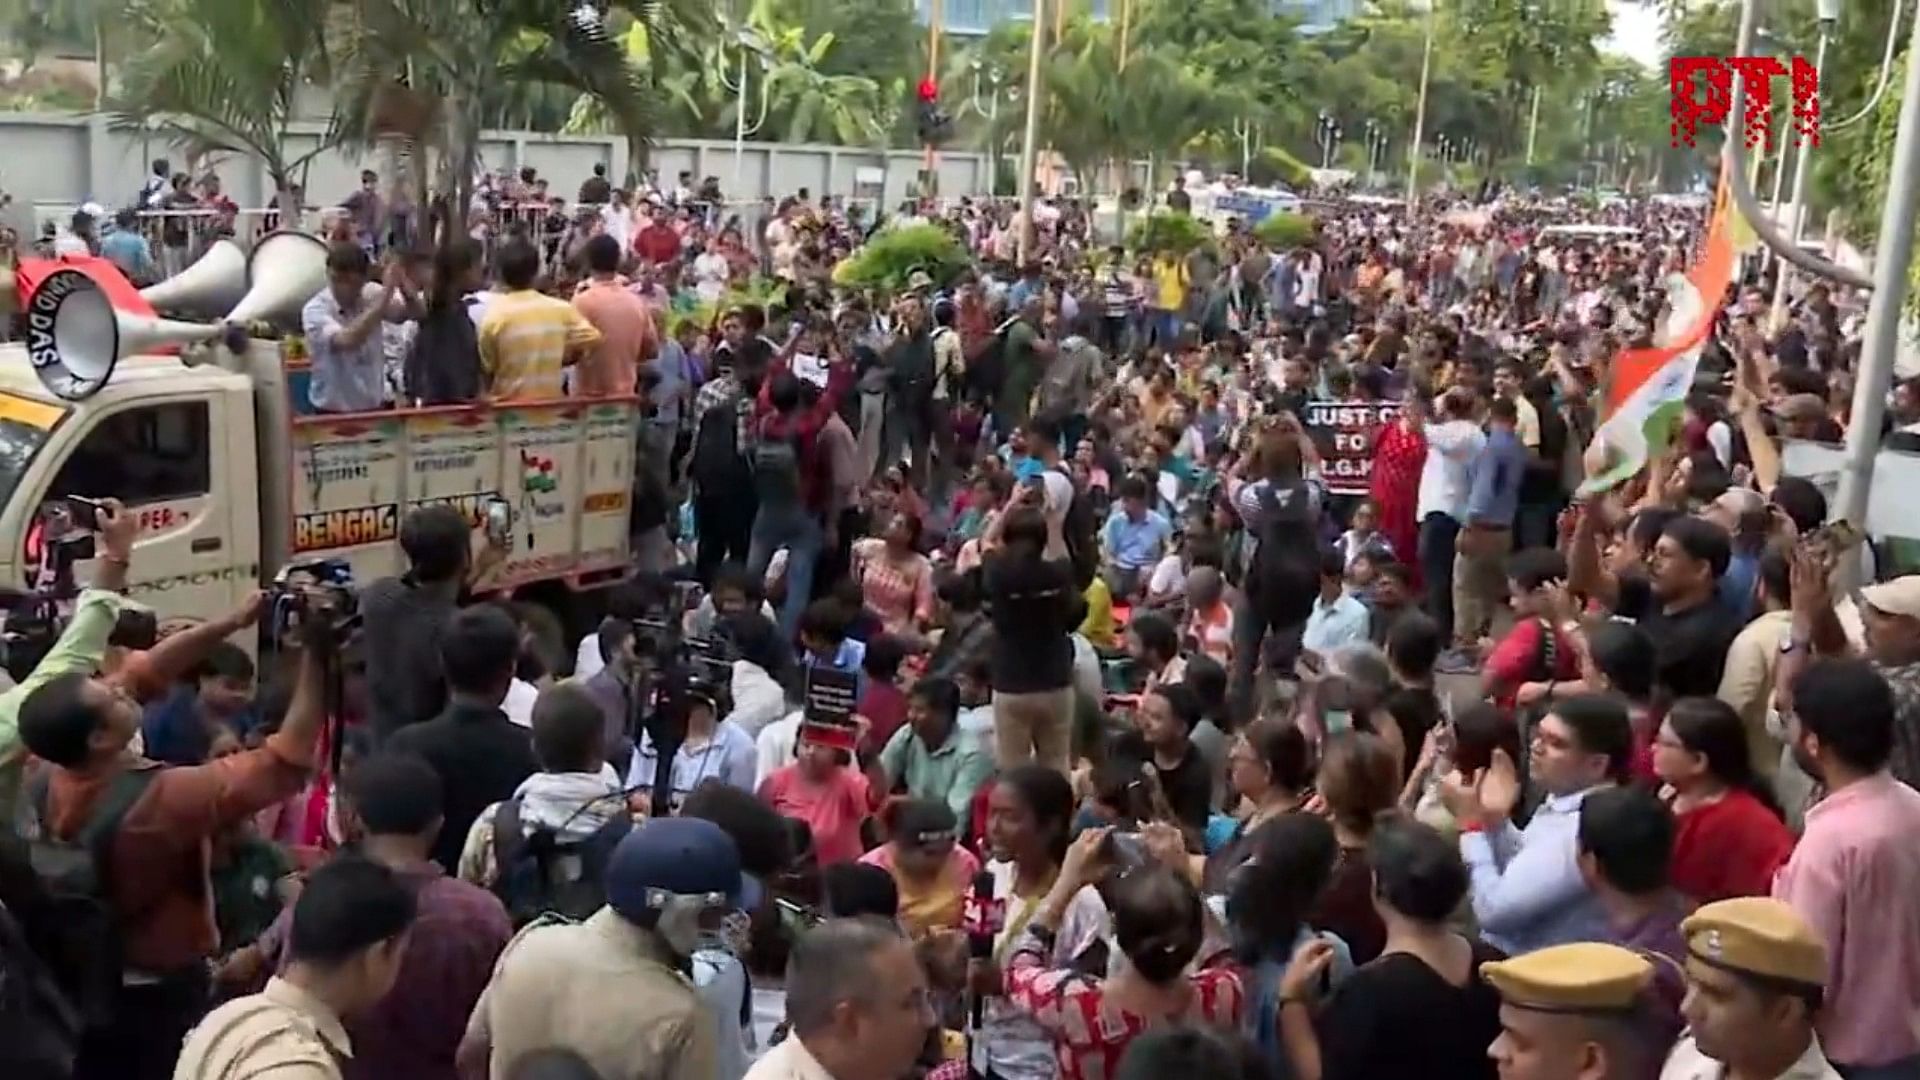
[679, 918]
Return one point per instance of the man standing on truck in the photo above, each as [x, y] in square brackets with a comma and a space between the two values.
[526, 336]
[343, 327]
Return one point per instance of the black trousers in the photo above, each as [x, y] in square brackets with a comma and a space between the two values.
[151, 1021]
[724, 522]
[1438, 534]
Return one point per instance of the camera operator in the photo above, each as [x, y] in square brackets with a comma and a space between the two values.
[157, 854]
[81, 647]
[404, 617]
[642, 690]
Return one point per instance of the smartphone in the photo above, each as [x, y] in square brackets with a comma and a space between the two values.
[1128, 849]
[85, 512]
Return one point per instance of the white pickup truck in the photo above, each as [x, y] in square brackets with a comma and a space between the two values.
[229, 484]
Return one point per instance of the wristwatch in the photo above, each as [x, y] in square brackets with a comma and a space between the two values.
[1789, 646]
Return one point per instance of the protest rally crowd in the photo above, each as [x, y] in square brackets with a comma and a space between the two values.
[1112, 665]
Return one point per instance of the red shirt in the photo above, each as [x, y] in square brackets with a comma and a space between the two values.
[1089, 1035]
[1516, 660]
[1728, 848]
[657, 244]
[833, 809]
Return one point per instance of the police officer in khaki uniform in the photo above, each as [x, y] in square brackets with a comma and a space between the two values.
[349, 933]
[1573, 1012]
[1755, 976]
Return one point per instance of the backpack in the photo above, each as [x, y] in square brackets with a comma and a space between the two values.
[83, 944]
[987, 370]
[38, 1026]
[776, 469]
[540, 874]
[1081, 531]
[1284, 578]
[714, 461]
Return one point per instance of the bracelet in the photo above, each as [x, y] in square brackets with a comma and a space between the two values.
[117, 560]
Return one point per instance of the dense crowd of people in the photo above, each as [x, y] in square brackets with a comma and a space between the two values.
[1241, 685]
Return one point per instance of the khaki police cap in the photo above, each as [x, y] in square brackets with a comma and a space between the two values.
[1758, 936]
[1585, 977]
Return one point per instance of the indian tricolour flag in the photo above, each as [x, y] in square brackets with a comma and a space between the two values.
[1646, 389]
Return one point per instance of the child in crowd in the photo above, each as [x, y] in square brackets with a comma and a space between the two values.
[1363, 538]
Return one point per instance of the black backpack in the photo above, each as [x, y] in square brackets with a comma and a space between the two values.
[776, 469]
[1284, 579]
[1082, 534]
[539, 874]
[82, 931]
[988, 370]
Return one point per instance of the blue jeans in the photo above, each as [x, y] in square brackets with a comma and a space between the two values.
[796, 530]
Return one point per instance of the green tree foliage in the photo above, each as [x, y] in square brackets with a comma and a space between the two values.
[891, 256]
[222, 75]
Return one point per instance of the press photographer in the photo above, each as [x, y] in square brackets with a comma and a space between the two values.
[405, 616]
[80, 648]
[134, 959]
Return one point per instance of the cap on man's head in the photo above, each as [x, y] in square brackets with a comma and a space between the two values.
[1585, 977]
[681, 856]
[1757, 935]
[1901, 596]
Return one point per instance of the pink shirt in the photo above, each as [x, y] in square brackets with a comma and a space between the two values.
[626, 338]
[833, 808]
[1855, 877]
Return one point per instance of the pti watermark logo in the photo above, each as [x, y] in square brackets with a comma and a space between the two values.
[1702, 89]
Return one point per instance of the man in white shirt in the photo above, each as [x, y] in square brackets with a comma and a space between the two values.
[858, 1002]
[1452, 443]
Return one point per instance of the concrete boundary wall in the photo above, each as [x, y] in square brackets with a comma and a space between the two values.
[65, 158]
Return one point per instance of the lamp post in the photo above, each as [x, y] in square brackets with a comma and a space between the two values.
[1032, 130]
[750, 47]
[1327, 134]
[1420, 109]
[1829, 12]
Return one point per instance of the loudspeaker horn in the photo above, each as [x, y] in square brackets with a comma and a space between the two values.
[211, 286]
[75, 337]
[285, 270]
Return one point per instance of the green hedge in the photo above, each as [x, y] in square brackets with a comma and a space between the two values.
[1284, 231]
[1168, 232]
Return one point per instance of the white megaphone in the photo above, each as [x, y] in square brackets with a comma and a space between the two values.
[75, 337]
[211, 286]
[284, 271]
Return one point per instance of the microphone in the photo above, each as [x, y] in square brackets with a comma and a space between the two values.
[982, 920]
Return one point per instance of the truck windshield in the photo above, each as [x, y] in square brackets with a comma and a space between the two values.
[19, 442]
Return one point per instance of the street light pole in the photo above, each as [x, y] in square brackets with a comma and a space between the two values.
[1420, 110]
[1894, 254]
[1798, 215]
[1533, 126]
[1032, 132]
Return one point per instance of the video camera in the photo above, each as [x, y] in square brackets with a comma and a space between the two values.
[60, 538]
[304, 591]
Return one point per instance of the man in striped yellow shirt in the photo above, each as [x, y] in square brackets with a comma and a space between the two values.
[527, 337]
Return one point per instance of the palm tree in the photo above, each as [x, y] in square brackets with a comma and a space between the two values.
[793, 92]
[432, 71]
[222, 77]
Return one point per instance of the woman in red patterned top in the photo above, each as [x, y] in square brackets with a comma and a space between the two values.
[1399, 453]
[1729, 834]
[1157, 919]
[896, 581]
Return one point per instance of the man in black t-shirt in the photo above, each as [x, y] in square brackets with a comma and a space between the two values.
[1166, 719]
[1691, 631]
